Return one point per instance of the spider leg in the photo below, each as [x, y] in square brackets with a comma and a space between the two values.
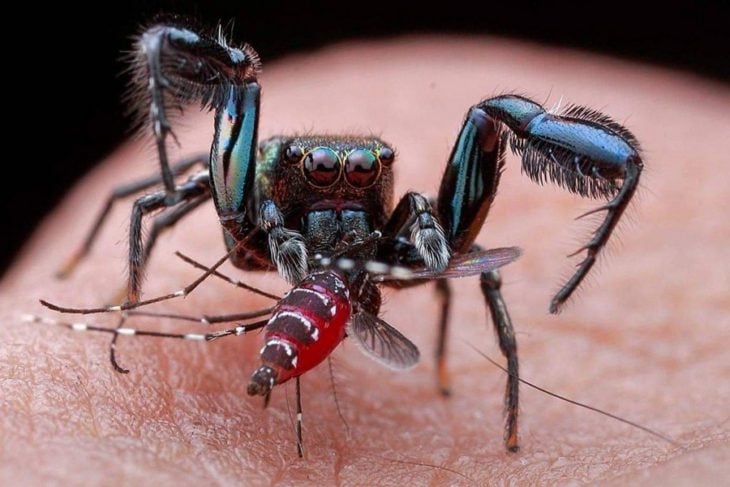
[491, 282]
[580, 149]
[614, 209]
[161, 223]
[443, 380]
[119, 193]
[188, 195]
[467, 191]
[173, 66]
[168, 219]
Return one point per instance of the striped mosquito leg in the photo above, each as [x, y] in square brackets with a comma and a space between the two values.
[380, 270]
[129, 305]
[205, 319]
[220, 275]
[207, 337]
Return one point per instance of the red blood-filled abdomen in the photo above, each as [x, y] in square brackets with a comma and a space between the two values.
[307, 325]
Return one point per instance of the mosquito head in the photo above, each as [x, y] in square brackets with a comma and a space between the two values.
[262, 381]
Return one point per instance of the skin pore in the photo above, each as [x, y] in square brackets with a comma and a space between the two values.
[646, 338]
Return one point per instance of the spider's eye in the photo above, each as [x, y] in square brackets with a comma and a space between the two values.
[361, 168]
[322, 167]
[386, 156]
[293, 154]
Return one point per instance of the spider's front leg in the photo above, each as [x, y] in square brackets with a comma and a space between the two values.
[581, 149]
[257, 232]
[174, 66]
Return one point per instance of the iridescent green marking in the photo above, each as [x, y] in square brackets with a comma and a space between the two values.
[269, 155]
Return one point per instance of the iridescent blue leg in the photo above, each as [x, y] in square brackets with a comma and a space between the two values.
[580, 149]
[173, 66]
[233, 159]
[233, 172]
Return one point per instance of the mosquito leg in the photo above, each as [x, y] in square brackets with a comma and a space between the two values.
[300, 442]
[334, 394]
[229, 280]
[119, 330]
[205, 337]
[205, 319]
[133, 305]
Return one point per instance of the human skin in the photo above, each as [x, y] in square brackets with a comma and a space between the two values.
[646, 338]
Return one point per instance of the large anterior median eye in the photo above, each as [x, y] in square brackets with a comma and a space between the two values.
[322, 167]
[361, 168]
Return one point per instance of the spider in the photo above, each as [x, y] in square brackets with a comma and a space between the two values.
[319, 209]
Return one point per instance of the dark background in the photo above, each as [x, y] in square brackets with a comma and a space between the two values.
[74, 83]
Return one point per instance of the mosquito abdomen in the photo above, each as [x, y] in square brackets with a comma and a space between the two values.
[304, 328]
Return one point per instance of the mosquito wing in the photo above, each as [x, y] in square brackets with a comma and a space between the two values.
[463, 265]
[382, 342]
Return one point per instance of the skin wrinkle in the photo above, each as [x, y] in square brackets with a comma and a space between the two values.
[637, 302]
[89, 404]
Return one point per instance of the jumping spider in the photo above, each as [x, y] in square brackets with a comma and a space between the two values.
[319, 209]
